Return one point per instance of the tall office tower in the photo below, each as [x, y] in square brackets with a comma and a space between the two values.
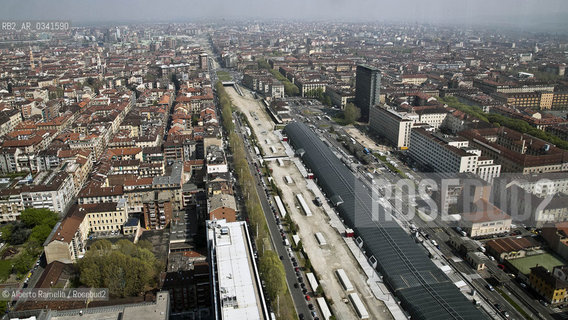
[367, 89]
[203, 61]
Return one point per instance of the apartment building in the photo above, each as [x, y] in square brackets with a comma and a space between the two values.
[445, 154]
[222, 206]
[68, 239]
[537, 100]
[551, 288]
[157, 210]
[414, 79]
[105, 217]
[490, 86]
[215, 160]
[94, 192]
[9, 119]
[53, 190]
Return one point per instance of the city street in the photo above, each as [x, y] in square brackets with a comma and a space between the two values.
[297, 296]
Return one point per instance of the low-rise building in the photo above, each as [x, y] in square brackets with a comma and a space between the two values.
[414, 79]
[159, 309]
[484, 219]
[340, 97]
[68, 240]
[511, 248]
[280, 111]
[531, 210]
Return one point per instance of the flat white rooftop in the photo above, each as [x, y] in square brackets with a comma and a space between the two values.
[236, 272]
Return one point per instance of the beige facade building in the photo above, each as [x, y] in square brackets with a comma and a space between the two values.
[67, 241]
[9, 120]
[484, 219]
[394, 126]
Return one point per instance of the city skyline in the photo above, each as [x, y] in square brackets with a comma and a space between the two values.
[253, 160]
[524, 15]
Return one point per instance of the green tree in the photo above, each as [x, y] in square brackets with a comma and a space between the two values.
[319, 291]
[19, 233]
[24, 262]
[263, 64]
[32, 217]
[308, 264]
[127, 269]
[351, 113]
[145, 244]
[39, 234]
[7, 230]
[291, 89]
[273, 270]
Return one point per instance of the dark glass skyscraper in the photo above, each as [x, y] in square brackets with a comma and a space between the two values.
[367, 89]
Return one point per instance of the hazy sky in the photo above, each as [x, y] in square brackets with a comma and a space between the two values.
[520, 13]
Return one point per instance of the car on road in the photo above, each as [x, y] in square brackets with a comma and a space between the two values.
[301, 316]
[490, 287]
[311, 306]
[308, 297]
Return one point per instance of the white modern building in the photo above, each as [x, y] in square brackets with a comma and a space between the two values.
[450, 155]
[237, 290]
